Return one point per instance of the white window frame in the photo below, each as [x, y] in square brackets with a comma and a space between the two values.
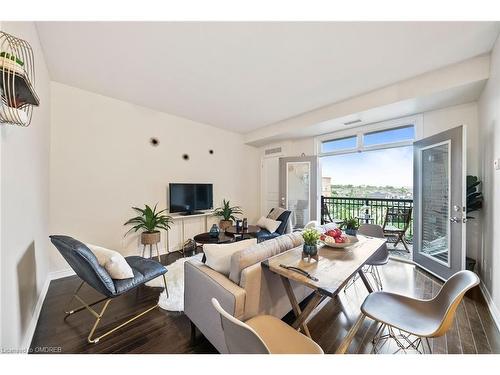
[360, 131]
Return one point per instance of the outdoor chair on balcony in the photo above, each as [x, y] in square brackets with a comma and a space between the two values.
[396, 223]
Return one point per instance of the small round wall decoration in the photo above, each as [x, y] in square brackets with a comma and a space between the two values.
[211, 152]
[154, 142]
[185, 157]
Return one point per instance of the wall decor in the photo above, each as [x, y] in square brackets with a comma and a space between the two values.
[17, 80]
[185, 157]
[211, 152]
[154, 142]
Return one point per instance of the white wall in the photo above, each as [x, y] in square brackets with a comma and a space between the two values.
[489, 136]
[102, 164]
[24, 205]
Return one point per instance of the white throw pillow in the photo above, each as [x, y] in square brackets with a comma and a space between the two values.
[268, 224]
[113, 262]
[219, 255]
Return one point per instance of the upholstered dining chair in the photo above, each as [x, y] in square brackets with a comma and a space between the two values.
[85, 264]
[380, 258]
[263, 334]
[409, 320]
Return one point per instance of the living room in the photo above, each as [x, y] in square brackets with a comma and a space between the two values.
[163, 187]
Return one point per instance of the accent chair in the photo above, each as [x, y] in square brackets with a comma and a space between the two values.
[85, 264]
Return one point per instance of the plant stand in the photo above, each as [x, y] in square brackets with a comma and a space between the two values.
[150, 239]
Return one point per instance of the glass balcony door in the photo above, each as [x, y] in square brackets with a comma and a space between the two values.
[298, 188]
[439, 218]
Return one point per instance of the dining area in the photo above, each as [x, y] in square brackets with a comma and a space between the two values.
[384, 322]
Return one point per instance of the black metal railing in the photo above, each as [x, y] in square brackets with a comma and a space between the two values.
[341, 208]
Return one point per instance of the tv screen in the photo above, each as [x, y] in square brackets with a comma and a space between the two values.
[190, 198]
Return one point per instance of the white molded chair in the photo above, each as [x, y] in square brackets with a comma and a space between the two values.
[416, 319]
[263, 334]
[380, 258]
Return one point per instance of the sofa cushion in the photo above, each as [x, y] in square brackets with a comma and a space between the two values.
[260, 252]
[218, 256]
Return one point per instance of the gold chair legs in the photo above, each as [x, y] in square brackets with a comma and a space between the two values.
[404, 341]
[98, 315]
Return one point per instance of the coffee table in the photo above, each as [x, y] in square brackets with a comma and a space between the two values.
[250, 231]
[205, 238]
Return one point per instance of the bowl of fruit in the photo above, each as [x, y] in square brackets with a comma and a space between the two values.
[337, 239]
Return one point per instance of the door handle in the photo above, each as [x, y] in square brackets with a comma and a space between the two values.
[455, 219]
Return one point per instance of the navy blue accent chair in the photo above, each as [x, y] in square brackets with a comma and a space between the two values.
[264, 235]
[83, 261]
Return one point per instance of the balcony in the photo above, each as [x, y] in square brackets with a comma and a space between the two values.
[336, 209]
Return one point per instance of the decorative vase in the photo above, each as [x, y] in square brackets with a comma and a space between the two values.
[310, 250]
[150, 238]
[351, 232]
[214, 231]
[224, 224]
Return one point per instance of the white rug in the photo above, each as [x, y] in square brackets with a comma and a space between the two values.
[175, 284]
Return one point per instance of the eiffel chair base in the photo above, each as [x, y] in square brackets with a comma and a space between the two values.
[369, 269]
[98, 315]
[406, 342]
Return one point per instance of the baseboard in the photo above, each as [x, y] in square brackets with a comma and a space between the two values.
[61, 273]
[28, 336]
[495, 313]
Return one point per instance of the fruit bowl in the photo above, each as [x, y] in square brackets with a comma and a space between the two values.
[348, 241]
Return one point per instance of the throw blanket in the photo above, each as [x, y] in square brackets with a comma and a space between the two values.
[276, 213]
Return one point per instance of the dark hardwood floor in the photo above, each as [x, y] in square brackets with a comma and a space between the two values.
[168, 332]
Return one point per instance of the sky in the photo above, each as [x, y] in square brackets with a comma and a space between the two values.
[392, 167]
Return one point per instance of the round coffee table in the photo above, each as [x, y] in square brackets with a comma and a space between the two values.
[250, 231]
[205, 238]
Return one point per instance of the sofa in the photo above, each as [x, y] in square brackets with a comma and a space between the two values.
[248, 290]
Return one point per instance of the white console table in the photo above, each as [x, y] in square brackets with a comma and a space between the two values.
[181, 218]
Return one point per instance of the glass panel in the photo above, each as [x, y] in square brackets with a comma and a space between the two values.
[435, 206]
[298, 187]
[405, 133]
[339, 144]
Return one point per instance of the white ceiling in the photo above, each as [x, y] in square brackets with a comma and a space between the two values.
[242, 76]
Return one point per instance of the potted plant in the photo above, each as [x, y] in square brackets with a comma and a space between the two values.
[227, 214]
[350, 226]
[311, 237]
[150, 221]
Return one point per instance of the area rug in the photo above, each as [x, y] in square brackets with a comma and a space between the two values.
[175, 284]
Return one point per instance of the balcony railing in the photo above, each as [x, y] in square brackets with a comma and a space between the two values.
[341, 208]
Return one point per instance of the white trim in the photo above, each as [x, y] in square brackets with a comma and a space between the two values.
[61, 274]
[464, 195]
[30, 331]
[495, 313]
[359, 131]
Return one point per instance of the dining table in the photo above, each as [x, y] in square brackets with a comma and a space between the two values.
[326, 277]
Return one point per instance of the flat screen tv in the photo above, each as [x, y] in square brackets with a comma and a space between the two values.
[189, 199]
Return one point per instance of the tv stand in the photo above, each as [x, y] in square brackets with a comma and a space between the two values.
[189, 213]
[179, 220]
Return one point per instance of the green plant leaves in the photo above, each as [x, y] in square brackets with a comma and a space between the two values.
[149, 220]
[227, 212]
